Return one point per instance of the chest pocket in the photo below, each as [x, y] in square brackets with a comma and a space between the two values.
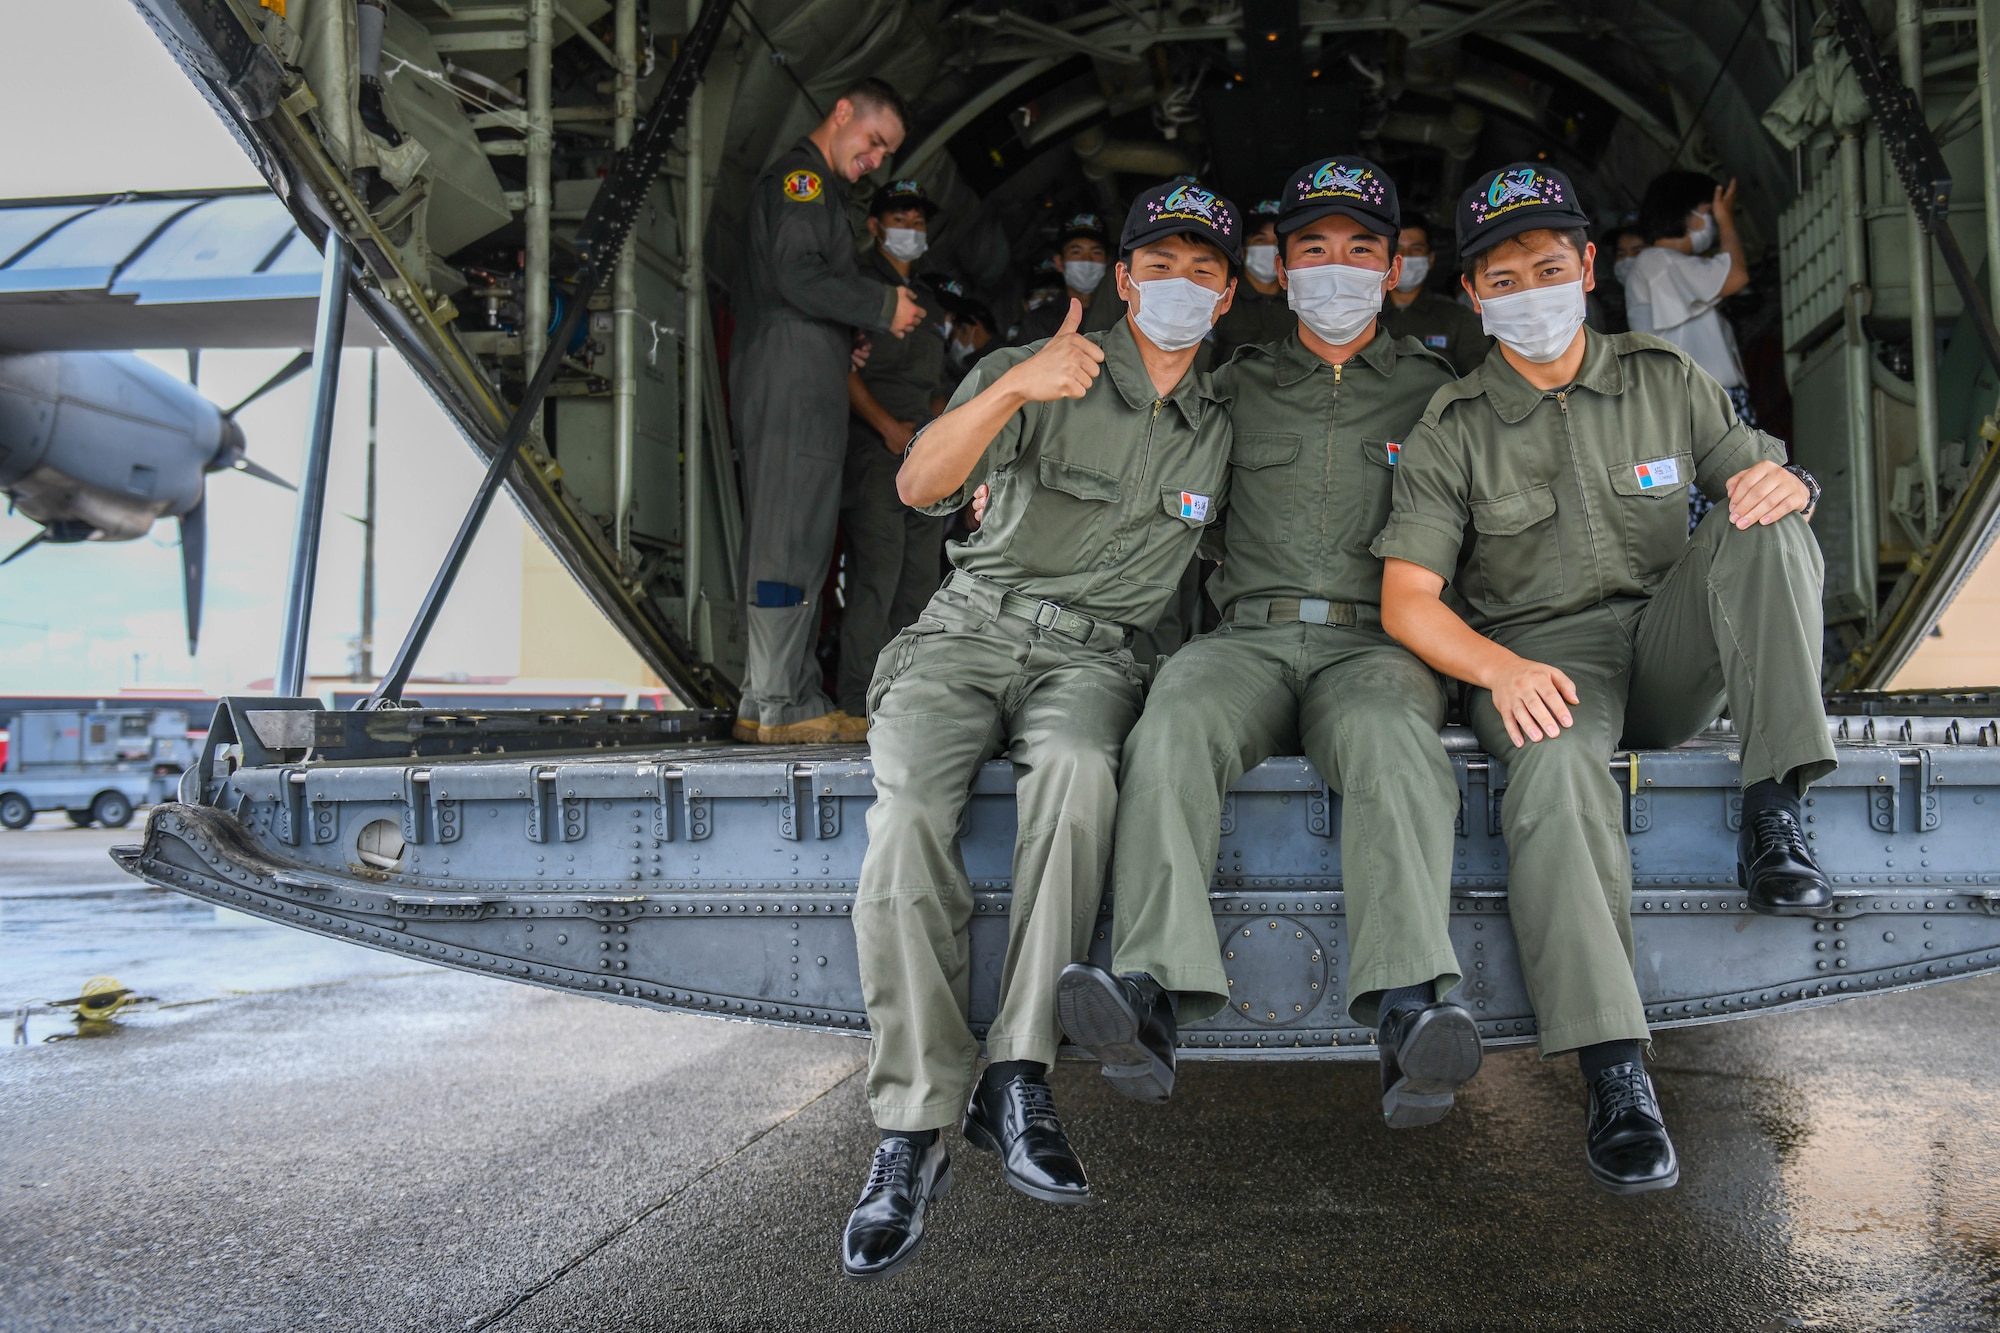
[1260, 499]
[1071, 513]
[1516, 558]
[1652, 509]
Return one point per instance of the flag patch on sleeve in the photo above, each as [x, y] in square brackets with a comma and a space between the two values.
[1194, 506]
[1395, 452]
[1659, 472]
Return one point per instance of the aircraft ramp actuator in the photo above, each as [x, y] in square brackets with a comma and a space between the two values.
[640, 858]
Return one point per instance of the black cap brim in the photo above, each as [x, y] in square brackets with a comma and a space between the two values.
[1552, 220]
[1376, 224]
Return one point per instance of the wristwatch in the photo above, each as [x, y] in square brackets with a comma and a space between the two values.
[1812, 487]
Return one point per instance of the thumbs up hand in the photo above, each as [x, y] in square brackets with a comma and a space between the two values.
[1065, 367]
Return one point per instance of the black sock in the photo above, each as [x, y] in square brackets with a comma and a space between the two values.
[1594, 1060]
[1772, 794]
[923, 1138]
[1404, 997]
[1000, 1071]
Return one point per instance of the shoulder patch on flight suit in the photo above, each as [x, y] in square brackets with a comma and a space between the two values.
[801, 187]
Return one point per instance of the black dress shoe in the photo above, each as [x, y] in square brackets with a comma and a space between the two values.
[887, 1225]
[1427, 1051]
[1776, 868]
[1627, 1144]
[1017, 1120]
[1126, 1024]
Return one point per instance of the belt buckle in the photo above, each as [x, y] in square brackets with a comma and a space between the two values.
[1051, 610]
[1315, 610]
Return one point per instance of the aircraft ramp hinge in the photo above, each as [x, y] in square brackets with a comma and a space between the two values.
[1322, 813]
[805, 797]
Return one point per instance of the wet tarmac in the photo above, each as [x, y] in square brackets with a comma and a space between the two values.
[357, 1144]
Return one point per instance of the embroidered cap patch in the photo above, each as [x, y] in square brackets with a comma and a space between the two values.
[1659, 472]
[1194, 506]
[802, 187]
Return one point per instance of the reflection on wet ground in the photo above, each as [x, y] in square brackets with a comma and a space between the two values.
[437, 1151]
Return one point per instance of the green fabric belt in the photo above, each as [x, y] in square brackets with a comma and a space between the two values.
[1043, 614]
[1306, 611]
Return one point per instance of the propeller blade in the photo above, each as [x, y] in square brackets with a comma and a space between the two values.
[194, 552]
[261, 473]
[291, 370]
[26, 546]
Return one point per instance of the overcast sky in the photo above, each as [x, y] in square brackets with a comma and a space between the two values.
[95, 104]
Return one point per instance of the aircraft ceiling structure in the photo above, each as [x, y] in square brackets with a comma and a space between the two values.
[505, 117]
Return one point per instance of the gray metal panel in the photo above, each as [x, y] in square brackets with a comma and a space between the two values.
[89, 251]
[21, 227]
[216, 252]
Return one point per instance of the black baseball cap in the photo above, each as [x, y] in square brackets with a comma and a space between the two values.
[902, 194]
[1087, 226]
[1183, 208]
[1521, 196]
[1353, 187]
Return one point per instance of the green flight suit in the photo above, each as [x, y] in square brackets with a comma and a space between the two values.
[802, 299]
[1096, 505]
[1252, 318]
[1311, 475]
[895, 555]
[1559, 519]
[1440, 323]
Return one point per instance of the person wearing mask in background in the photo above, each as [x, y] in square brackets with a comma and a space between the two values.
[804, 298]
[968, 331]
[1622, 245]
[893, 552]
[1545, 489]
[1414, 311]
[1082, 257]
[1675, 284]
[1044, 285]
[1259, 313]
[1300, 660]
[1106, 457]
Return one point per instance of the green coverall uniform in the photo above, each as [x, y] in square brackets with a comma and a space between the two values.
[803, 297]
[1097, 504]
[1559, 518]
[1300, 660]
[1443, 325]
[1252, 318]
[895, 553]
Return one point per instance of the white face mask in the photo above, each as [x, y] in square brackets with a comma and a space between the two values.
[1415, 269]
[1262, 261]
[1336, 301]
[961, 352]
[1083, 275]
[1175, 313]
[906, 243]
[1622, 269]
[1539, 324]
[1701, 237]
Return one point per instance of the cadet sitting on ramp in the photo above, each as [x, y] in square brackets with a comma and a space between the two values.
[1549, 489]
[1300, 658]
[803, 300]
[1107, 455]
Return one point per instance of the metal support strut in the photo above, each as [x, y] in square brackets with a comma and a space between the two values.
[598, 242]
[328, 333]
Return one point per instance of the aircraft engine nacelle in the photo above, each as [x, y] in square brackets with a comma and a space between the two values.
[102, 445]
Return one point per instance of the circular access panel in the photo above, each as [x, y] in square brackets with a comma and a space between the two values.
[1277, 967]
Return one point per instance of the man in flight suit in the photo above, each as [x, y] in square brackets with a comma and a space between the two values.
[1436, 321]
[1300, 659]
[1083, 258]
[1549, 489]
[894, 552]
[1106, 456]
[1259, 313]
[803, 299]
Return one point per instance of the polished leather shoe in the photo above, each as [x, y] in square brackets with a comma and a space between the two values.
[1427, 1051]
[1626, 1143]
[1124, 1023]
[887, 1225]
[1776, 868]
[1017, 1121]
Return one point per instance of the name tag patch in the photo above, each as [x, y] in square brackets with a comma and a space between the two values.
[1395, 452]
[1437, 340]
[1659, 472]
[1194, 506]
